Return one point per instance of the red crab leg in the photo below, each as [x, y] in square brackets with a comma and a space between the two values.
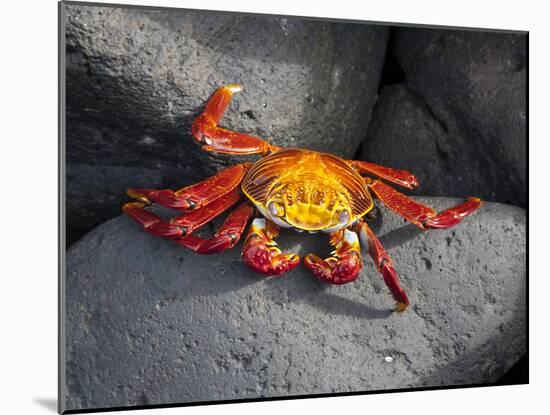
[228, 235]
[181, 225]
[260, 251]
[400, 177]
[383, 264]
[421, 215]
[205, 128]
[344, 264]
[197, 195]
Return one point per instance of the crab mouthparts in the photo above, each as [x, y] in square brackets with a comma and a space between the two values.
[309, 217]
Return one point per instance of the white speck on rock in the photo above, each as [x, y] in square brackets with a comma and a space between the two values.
[284, 26]
[336, 77]
[149, 141]
[388, 359]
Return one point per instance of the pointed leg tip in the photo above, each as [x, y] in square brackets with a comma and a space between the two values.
[311, 259]
[138, 195]
[400, 307]
[132, 206]
[293, 258]
[476, 200]
[234, 88]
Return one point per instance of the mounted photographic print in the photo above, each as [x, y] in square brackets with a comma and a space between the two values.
[258, 207]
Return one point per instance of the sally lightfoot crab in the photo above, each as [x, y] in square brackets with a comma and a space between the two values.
[291, 188]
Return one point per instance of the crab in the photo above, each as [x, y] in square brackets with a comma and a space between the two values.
[291, 188]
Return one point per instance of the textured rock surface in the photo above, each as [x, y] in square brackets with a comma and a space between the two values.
[473, 83]
[405, 134]
[95, 193]
[149, 322]
[136, 79]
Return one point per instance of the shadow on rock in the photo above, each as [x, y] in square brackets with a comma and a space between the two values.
[332, 303]
[471, 367]
[399, 236]
[304, 288]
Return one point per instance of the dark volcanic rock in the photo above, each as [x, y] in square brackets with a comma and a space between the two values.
[473, 82]
[95, 193]
[405, 134]
[137, 78]
[149, 322]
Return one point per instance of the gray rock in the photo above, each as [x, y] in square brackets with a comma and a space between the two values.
[95, 193]
[136, 79]
[405, 134]
[149, 322]
[475, 82]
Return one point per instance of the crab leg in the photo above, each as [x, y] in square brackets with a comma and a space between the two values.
[400, 177]
[260, 251]
[421, 215]
[182, 225]
[206, 131]
[228, 235]
[344, 264]
[383, 264]
[197, 195]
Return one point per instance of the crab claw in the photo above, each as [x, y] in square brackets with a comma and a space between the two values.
[260, 251]
[344, 264]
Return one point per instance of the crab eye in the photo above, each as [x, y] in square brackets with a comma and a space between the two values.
[276, 209]
[343, 217]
